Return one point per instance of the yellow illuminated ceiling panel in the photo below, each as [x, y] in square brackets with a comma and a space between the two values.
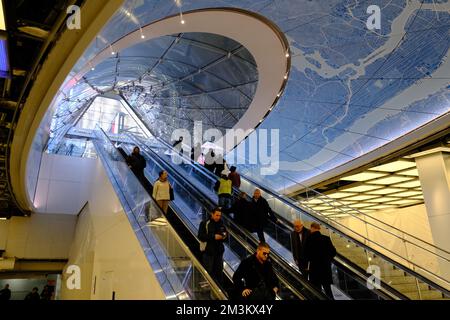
[412, 184]
[338, 195]
[395, 166]
[384, 187]
[362, 188]
[403, 202]
[362, 197]
[364, 176]
[381, 200]
[390, 180]
[361, 205]
[408, 194]
[411, 172]
[381, 207]
[385, 191]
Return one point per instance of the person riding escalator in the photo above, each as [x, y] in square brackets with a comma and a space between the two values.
[137, 164]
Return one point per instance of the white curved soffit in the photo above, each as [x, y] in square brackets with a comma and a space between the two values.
[263, 41]
[259, 38]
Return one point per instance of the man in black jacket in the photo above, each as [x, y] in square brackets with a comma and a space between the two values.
[260, 211]
[33, 295]
[5, 293]
[213, 232]
[137, 164]
[298, 240]
[319, 251]
[240, 210]
[254, 279]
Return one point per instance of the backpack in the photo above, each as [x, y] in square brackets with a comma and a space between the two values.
[203, 243]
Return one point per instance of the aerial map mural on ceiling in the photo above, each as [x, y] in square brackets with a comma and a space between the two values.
[350, 89]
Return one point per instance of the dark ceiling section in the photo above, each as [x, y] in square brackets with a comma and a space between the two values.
[28, 23]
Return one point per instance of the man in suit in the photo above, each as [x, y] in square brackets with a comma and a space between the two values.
[261, 212]
[298, 240]
[319, 252]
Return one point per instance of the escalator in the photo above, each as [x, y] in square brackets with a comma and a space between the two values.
[187, 211]
[177, 269]
[356, 260]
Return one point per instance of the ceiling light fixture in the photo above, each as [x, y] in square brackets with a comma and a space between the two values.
[181, 18]
[142, 34]
[112, 50]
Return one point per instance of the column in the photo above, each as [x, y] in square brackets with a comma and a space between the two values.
[434, 174]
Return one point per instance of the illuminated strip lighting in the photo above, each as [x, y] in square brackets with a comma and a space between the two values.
[2, 17]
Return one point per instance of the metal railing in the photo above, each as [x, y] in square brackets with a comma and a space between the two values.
[397, 259]
[157, 240]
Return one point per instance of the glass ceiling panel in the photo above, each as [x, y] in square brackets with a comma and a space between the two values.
[339, 67]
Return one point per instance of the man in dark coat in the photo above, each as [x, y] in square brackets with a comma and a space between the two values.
[240, 210]
[213, 232]
[319, 251]
[254, 279]
[298, 240]
[5, 293]
[33, 295]
[260, 212]
[137, 164]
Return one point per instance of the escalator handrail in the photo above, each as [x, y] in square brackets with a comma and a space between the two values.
[236, 237]
[384, 291]
[329, 225]
[281, 261]
[218, 291]
[290, 202]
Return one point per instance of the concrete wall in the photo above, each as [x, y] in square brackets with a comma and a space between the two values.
[107, 251]
[40, 236]
[63, 184]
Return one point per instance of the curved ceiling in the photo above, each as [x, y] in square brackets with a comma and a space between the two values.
[172, 81]
[350, 90]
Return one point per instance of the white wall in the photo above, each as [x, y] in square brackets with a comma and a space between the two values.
[412, 220]
[107, 251]
[63, 184]
[40, 236]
